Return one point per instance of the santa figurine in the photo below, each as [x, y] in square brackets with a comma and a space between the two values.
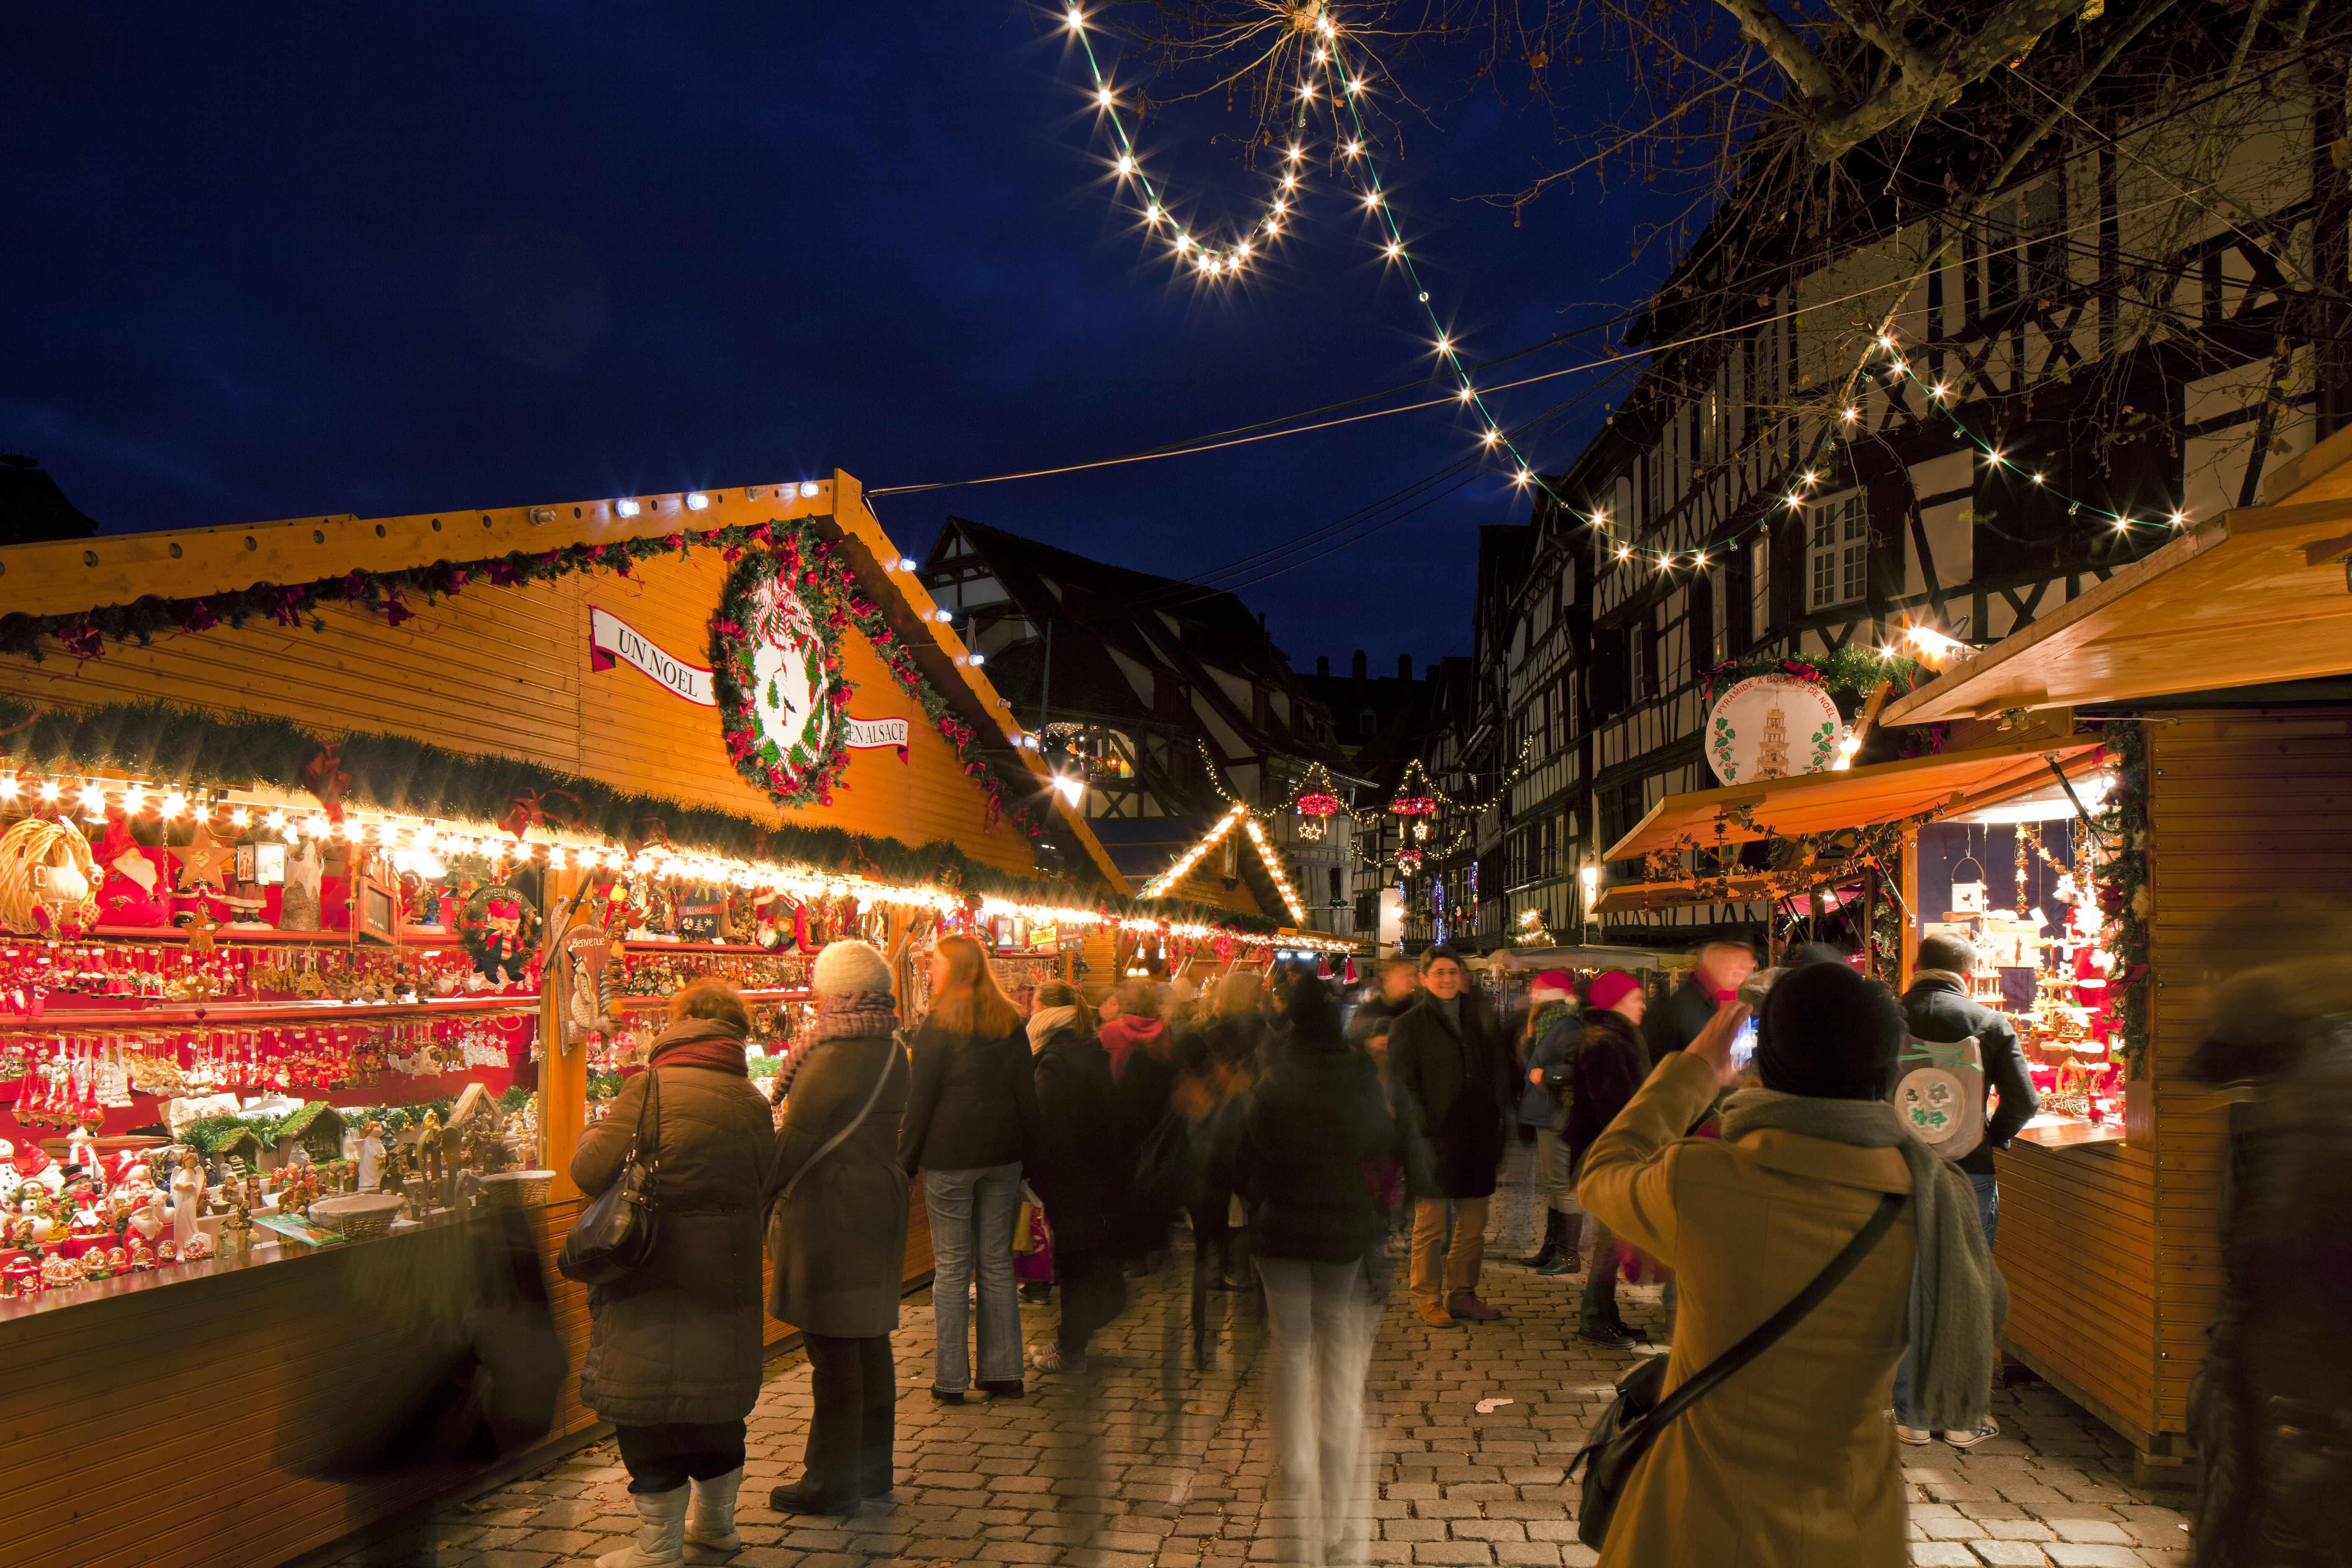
[148, 1221]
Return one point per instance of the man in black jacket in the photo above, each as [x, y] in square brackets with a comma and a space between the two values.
[1938, 1009]
[1676, 1022]
[1450, 1058]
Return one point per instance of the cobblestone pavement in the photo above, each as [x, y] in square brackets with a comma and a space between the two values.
[1145, 1461]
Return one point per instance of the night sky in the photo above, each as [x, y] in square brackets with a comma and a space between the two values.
[269, 260]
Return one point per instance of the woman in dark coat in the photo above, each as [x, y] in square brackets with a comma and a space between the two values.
[674, 1349]
[1078, 1171]
[839, 1238]
[1309, 1133]
[1216, 1063]
[971, 1118]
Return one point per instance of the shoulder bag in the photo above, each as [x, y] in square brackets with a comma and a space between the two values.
[615, 1236]
[1633, 1420]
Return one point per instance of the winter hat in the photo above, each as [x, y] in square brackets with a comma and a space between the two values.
[1609, 988]
[845, 968]
[1552, 985]
[1828, 1034]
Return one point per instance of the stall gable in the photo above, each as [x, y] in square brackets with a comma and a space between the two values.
[600, 673]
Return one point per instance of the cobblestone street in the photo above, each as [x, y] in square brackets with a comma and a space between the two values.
[1146, 1462]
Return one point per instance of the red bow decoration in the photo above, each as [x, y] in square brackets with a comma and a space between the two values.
[323, 776]
[650, 830]
[532, 809]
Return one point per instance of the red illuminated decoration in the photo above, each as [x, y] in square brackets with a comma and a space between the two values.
[1316, 807]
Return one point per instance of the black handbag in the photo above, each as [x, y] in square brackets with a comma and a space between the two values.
[615, 1236]
[1636, 1417]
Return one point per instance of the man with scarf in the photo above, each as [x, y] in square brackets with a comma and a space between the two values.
[1792, 1459]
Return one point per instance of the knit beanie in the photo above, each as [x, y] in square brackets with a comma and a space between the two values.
[845, 968]
[1828, 1034]
[1609, 988]
[1552, 985]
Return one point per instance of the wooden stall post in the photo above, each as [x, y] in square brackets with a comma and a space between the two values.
[563, 1074]
[1907, 886]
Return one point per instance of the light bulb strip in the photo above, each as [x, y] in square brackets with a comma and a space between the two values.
[286, 816]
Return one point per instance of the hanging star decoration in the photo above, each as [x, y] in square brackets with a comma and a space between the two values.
[203, 861]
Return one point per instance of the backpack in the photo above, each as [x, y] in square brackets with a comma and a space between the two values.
[1939, 1094]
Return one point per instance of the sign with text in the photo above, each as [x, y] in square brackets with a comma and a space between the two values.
[869, 733]
[610, 639]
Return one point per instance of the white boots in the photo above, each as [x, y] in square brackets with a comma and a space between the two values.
[661, 1532]
[711, 1521]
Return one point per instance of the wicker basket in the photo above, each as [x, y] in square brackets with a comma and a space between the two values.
[359, 1217]
[516, 1189]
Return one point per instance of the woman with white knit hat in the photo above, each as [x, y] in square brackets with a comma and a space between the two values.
[838, 1230]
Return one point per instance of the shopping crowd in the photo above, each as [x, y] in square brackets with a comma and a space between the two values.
[1737, 1138]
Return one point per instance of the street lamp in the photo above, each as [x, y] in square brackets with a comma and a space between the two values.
[1592, 878]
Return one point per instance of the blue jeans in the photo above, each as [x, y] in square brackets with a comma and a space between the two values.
[971, 1216]
[1988, 1211]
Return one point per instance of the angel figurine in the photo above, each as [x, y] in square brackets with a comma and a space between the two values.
[187, 1199]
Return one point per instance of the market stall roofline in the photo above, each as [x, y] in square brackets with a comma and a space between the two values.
[1856, 797]
[2259, 595]
[70, 577]
[1639, 898]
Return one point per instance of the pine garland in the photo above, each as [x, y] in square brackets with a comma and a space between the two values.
[401, 775]
[2127, 900]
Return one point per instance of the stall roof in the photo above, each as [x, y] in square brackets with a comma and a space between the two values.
[1857, 797]
[2259, 595]
[1645, 898]
[1541, 958]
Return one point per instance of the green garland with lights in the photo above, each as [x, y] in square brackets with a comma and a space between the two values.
[400, 775]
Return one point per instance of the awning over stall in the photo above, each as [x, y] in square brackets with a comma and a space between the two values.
[1643, 897]
[1947, 785]
[2260, 595]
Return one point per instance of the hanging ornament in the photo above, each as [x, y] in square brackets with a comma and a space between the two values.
[1407, 860]
[1421, 828]
[1317, 807]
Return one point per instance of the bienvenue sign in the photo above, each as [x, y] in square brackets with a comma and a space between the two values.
[610, 638]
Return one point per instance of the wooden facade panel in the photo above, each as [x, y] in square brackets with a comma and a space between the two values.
[253, 1370]
[2248, 811]
[2078, 1247]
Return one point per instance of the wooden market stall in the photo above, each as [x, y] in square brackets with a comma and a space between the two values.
[427, 814]
[2210, 669]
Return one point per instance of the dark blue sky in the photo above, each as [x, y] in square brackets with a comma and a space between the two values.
[268, 260]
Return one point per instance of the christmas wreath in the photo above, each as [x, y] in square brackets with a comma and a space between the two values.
[500, 926]
[775, 651]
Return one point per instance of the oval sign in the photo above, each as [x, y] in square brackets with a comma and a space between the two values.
[1771, 727]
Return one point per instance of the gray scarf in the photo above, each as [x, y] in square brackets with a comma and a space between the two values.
[1958, 1297]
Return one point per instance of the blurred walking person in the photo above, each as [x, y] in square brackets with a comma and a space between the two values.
[971, 1118]
[2272, 1407]
[1304, 1138]
[1215, 1063]
[1790, 1460]
[838, 1228]
[674, 1348]
[1450, 1057]
[1078, 1172]
[1712, 981]
[1553, 1031]
[1611, 1063]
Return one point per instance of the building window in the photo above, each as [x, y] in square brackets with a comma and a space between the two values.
[1837, 554]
